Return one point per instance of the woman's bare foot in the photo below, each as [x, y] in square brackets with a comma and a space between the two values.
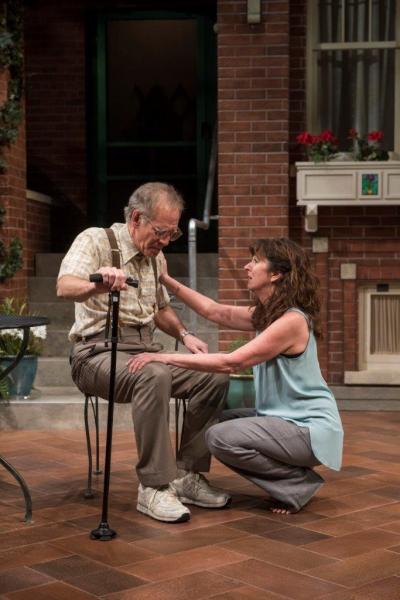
[279, 508]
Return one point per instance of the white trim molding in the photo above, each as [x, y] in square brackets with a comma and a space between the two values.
[346, 183]
[371, 377]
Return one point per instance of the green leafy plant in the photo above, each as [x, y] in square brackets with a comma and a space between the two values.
[235, 345]
[12, 59]
[324, 147]
[369, 147]
[4, 386]
[11, 259]
[320, 148]
[11, 339]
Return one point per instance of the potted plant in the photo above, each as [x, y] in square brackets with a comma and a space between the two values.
[369, 147]
[19, 383]
[241, 392]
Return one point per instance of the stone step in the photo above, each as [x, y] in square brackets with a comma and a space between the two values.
[43, 289]
[61, 314]
[359, 393]
[53, 408]
[207, 264]
[56, 343]
[53, 371]
[48, 265]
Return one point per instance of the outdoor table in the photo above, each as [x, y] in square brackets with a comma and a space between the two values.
[25, 323]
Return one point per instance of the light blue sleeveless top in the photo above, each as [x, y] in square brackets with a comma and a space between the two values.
[294, 389]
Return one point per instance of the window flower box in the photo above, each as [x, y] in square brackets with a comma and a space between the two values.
[346, 183]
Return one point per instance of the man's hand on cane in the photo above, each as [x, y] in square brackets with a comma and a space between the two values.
[113, 280]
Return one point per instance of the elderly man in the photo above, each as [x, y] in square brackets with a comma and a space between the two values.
[134, 249]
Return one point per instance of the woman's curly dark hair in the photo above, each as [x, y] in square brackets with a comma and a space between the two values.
[298, 287]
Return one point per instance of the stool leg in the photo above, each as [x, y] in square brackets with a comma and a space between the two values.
[88, 493]
[184, 407]
[178, 438]
[177, 411]
[97, 471]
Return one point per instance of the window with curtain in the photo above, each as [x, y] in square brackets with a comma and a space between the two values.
[352, 61]
[379, 328]
[385, 324]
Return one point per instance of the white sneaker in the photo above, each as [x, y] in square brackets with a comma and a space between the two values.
[161, 504]
[193, 488]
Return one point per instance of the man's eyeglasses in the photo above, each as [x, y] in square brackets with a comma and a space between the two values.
[173, 234]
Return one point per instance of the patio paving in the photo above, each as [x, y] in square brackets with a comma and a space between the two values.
[345, 545]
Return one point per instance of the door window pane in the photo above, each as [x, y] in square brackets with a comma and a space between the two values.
[153, 162]
[152, 87]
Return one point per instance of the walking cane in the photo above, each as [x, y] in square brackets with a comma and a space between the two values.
[104, 531]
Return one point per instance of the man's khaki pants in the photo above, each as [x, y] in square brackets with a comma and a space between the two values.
[149, 392]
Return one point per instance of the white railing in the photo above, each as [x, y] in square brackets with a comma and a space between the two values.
[195, 224]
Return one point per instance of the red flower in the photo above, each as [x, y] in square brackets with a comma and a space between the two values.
[375, 136]
[353, 133]
[304, 138]
[327, 136]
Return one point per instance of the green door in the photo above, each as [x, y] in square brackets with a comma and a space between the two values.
[153, 111]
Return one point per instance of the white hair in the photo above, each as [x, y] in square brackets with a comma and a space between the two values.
[146, 198]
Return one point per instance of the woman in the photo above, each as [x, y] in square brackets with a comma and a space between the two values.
[296, 424]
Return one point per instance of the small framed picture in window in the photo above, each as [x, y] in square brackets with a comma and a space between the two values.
[370, 185]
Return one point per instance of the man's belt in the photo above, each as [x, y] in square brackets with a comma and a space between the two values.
[100, 334]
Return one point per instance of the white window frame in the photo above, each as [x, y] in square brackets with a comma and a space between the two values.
[368, 361]
[313, 121]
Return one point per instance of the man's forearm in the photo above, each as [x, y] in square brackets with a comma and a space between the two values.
[74, 288]
[167, 320]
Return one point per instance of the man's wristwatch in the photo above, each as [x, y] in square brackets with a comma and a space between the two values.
[184, 333]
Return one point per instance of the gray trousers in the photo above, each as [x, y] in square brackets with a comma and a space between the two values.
[273, 453]
[149, 391]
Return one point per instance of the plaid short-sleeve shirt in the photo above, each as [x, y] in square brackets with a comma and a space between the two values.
[138, 306]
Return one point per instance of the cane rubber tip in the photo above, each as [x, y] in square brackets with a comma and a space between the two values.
[103, 533]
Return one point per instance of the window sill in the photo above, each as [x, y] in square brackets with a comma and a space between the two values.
[346, 183]
[371, 377]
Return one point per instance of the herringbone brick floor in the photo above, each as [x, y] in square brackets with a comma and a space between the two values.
[344, 546]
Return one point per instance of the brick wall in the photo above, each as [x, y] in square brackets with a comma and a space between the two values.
[253, 123]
